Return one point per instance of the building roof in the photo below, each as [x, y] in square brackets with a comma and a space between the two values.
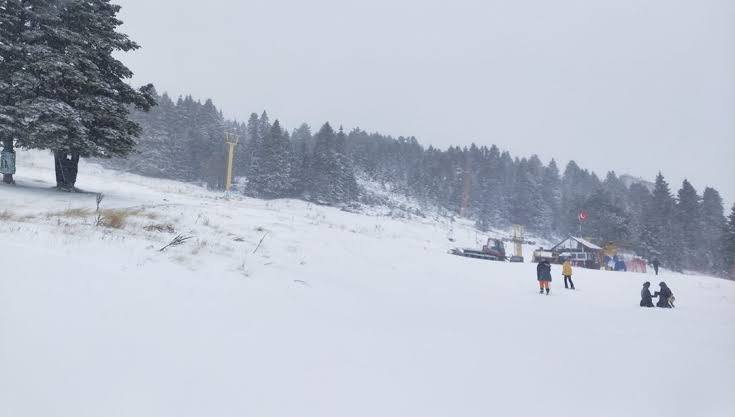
[583, 242]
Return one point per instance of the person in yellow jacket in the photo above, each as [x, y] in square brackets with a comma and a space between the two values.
[566, 270]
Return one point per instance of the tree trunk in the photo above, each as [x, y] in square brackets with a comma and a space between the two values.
[66, 166]
[8, 146]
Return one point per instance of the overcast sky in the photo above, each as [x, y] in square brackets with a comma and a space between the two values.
[630, 86]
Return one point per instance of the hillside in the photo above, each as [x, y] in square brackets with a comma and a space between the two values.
[285, 308]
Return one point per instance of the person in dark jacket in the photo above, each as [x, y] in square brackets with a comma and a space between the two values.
[646, 297]
[655, 263]
[663, 295]
[543, 274]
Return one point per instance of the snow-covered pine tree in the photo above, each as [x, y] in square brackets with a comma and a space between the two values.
[323, 172]
[728, 254]
[212, 157]
[659, 236]
[688, 227]
[541, 220]
[153, 155]
[527, 201]
[487, 189]
[639, 199]
[273, 178]
[714, 224]
[608, 222]
[301, 143]
[258, 128]
[572, 198]
[551, 185]
[347, 188]
[72, 96]
[617, 190]
[245, 157]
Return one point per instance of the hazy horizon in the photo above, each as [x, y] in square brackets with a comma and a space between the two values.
[616, 86]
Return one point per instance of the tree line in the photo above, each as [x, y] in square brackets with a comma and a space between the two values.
[183, 140]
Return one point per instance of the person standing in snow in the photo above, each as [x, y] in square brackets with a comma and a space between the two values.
[663, 295]
[566, 271]
[646, 297]
[543, 274]
[655, 263]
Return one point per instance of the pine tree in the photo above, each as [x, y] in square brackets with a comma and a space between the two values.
[608, 222]
[78, 105]
[324, 172]
[688, 227]
[489, 188]
[728, 254]
[272, 179]
[573, 197]
[301, 143]
[211, 151]
[258, 129]
[639, 200]
[347, 188]
[659, 236]
[616, 189]
[551, 194]
[714, 225]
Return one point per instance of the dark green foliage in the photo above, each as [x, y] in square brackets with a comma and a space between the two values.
[331, 173]
[61, 87]
[659, 229]
[688, 227]
[714, 225]
[729, 244]
[271, 177]
[608, 221]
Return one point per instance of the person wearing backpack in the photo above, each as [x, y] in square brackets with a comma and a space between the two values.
[664, 294]
[543, 274]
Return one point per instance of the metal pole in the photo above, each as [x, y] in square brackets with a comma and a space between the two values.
[230, 155]
[231, 140]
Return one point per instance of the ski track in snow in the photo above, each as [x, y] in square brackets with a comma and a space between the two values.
[335, 314]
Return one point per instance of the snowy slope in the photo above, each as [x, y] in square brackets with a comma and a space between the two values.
[335, 314]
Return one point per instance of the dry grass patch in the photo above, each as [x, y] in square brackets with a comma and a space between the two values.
[116, 218]
[151, 216]
[6, 215]
[162, 228]
[72, 213]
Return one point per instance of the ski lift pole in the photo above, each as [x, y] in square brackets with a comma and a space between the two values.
[231, 141]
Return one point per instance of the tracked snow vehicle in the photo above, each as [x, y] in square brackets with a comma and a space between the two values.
[493, 250]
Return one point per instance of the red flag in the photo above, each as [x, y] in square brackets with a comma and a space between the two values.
[583, 216]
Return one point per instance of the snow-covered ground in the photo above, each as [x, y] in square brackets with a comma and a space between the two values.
[335, 314]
